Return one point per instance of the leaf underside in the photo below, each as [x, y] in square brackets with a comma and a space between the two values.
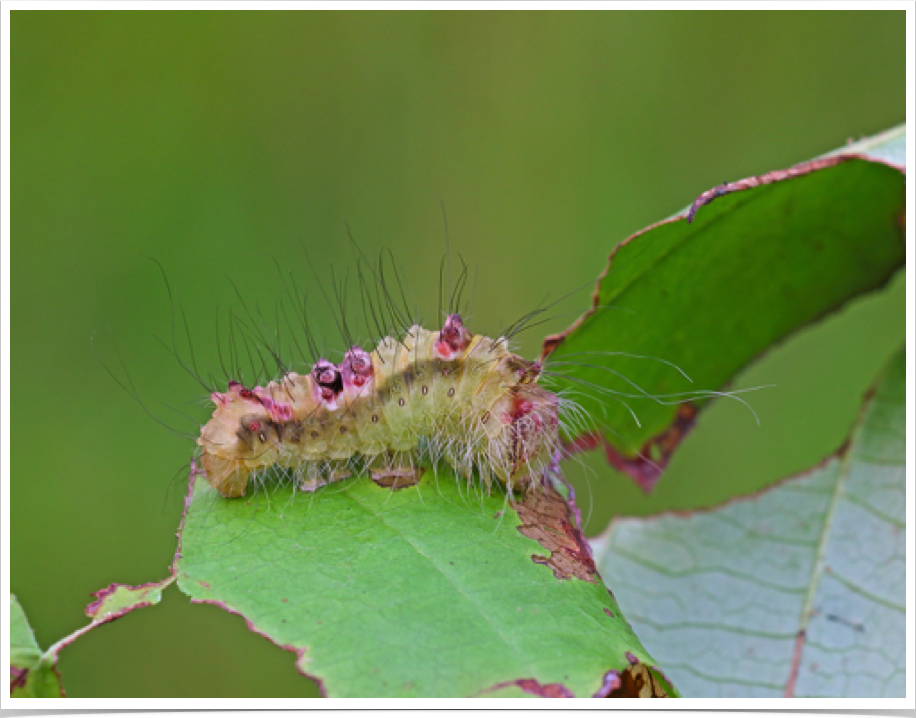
[799, 591]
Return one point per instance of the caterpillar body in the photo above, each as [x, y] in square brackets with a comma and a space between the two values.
[462, 398]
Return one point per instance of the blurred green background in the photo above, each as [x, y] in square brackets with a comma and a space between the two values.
[217, 141]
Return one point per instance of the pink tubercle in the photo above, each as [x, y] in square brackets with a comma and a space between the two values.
[325, 372]
[454, 338]
[356, 371]
[357, 363]
[278, 410]
[281, 412]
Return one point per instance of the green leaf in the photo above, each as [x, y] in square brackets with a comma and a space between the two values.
[431, 590]
[31, 674]
[797, 591]
[118, 599]
[768, 256]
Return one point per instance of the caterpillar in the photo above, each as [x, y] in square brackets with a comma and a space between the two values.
[419, 397]
[459, 397]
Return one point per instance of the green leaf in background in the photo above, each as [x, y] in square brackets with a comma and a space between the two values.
[432, 590]
[799, 591]
[770, 255]
[32, 675]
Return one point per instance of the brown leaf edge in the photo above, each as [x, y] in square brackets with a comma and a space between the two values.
[555, 523]
[648, 464]
[636, 681]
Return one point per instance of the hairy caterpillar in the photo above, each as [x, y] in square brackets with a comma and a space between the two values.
[419, 397]
[468, 398]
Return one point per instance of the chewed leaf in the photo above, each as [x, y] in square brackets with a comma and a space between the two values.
[430, 590]
[31, 674]
[118, 599]
[799, 591]
[769, 255]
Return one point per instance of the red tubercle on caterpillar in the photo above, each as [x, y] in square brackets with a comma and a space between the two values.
[454, 338]
[236, 390]
[531, 415]
[233, 392]
[248, 394]
[520, 408]
[540, 415]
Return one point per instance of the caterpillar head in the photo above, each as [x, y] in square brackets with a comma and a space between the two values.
[220, 441]
[243, 431]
